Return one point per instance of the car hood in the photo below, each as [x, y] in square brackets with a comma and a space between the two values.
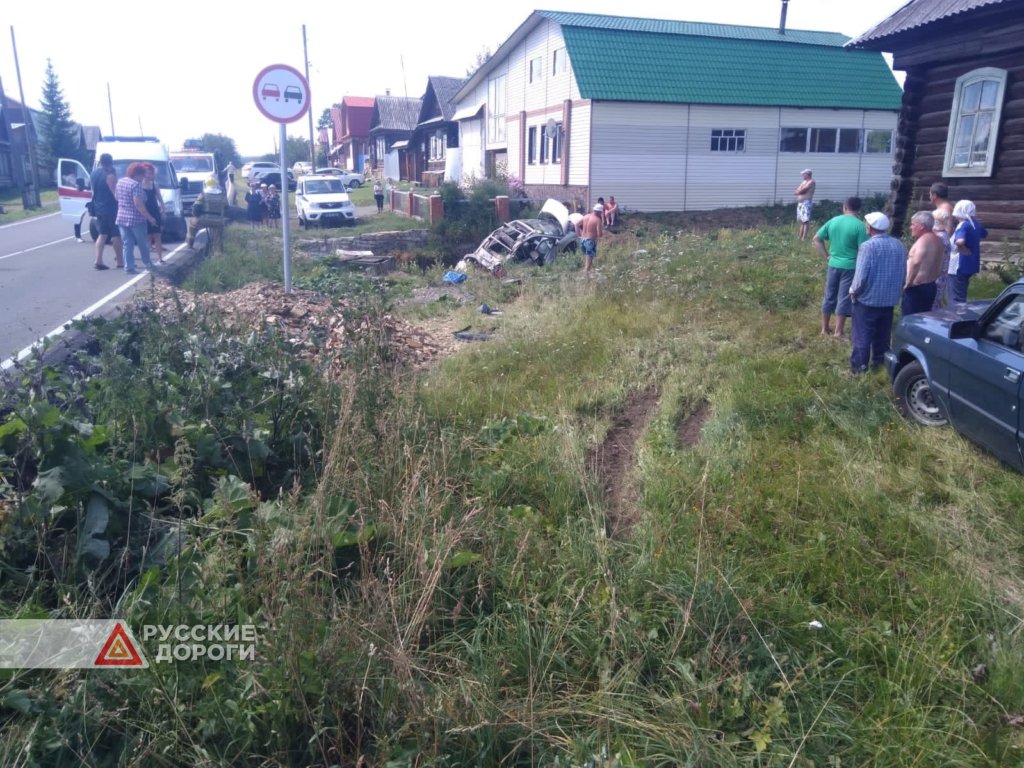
[557, 211]
[938, 321]
[334, 197]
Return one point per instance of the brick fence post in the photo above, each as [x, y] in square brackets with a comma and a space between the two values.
[436, 209]
[501, 208]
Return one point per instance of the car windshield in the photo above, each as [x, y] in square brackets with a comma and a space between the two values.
[191, 164]
[324, 187]
[163, 171]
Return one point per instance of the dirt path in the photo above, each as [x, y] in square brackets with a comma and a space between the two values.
[613, 462]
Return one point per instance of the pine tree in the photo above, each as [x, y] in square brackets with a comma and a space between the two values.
[57, 137]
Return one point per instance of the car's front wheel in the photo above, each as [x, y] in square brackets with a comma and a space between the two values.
[914, 398]
[355, 184]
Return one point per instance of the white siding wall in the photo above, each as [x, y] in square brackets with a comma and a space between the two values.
[471, 142]
[513, 146]
[658, 156]
[579, 146]
[638, 154]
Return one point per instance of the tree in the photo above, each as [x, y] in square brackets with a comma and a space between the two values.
[298, 148]
[325, 120]
[57, 129]
[482, 57]
[218, 141]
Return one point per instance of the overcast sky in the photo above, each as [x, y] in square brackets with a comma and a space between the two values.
[184, 69]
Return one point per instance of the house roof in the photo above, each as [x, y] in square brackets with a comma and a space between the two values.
[916, 14]
[445, 89]
[618, 58]
[395, 113]
[357, 101]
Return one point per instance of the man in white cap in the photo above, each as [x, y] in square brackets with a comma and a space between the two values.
[875, 291]
[804, 201]
[588, 230]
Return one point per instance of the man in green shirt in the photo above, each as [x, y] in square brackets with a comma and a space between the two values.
[844, 235]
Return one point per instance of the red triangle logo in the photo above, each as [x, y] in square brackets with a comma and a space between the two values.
[119, 651]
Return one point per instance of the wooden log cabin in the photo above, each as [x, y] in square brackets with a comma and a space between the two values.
[962, 117]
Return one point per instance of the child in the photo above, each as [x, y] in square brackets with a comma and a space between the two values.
[965, 261]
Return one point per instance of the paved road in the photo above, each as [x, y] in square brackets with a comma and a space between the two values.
[46, 278]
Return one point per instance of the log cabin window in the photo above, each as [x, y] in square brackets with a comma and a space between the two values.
[531, 146]
[728, 139]
[877, 142]
[536, 69]
[974, 123]
[438, 144]
[496, 109]
[560, 62]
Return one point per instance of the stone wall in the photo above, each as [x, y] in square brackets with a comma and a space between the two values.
[379, 242]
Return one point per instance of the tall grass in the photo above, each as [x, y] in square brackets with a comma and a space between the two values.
[814, 583]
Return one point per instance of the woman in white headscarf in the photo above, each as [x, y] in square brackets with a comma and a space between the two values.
[966, 259]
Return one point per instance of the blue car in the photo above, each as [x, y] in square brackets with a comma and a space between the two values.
[963, 366]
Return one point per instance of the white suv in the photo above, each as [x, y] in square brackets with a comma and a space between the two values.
[323, 200]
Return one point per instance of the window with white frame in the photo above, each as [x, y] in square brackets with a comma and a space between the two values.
[531, 145]
[536, 69]
[974, 123]
[496, 109]
[878, 142]
[793, 140]
[438, 144]
[560, 62]
[728, 140]
[556, 144]
[543, 145]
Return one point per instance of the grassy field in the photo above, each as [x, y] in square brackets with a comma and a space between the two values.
[15, 211]
[653, 522]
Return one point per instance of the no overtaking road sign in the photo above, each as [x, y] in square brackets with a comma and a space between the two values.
[281, 93]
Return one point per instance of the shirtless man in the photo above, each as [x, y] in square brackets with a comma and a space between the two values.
[804, 201]
[588, 230]
[611, 212]
[939, 196]
[924, 263]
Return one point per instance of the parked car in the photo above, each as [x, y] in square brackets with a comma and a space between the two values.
[274, 177]
[302, 167]
[963, 366]
[350, 179]
[323, 200]
[255, 168]
[540, 240]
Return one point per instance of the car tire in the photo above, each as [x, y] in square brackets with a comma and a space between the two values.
[356, 184]
[914, 399]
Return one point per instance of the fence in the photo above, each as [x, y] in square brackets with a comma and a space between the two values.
[429, 208]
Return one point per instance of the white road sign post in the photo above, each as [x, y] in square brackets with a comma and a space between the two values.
[281, 93]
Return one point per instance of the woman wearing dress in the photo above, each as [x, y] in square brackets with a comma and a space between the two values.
[273, 206]
[155, 206]
[254, 206]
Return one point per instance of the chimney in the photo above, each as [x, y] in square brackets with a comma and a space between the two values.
[387, 91]
[782, 19]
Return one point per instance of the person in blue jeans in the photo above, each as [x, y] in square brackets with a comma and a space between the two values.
[875, 292]
[966, 259]
[132, 217]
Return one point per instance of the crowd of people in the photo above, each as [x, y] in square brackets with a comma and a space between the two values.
[870, 272]
[263, 205]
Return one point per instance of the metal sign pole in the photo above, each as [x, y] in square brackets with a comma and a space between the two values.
[285, 211]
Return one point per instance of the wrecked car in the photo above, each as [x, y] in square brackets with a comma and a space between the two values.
[540, 240]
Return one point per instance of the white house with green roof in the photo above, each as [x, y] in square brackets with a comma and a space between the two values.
[676, 115]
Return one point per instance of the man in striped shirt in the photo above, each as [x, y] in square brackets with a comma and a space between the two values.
[875, 291]
[132, 217]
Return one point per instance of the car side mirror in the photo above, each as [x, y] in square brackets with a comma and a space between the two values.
[183, 184]
[80, 184]
[963, 329]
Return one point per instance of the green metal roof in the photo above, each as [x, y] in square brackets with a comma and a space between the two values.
[623, 59]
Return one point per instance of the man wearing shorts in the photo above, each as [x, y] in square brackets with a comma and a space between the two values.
[844, 234]
[804, 201]
[104, 205]
[588, 230]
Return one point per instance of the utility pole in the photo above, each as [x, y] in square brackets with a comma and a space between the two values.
[110, 106]
[312, 147]
[29, 140]
[17, 168]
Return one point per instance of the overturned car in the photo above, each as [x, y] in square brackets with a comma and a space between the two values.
[540, 240]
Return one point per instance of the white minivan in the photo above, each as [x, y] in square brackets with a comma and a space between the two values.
[74, 191]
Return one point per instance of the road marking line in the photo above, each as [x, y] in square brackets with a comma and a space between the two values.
[36, 247]
[84, 313]
[30, 219]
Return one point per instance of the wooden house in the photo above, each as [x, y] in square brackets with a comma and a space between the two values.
[962, 117]
[437, 134]
[392, 124]
[675, 115]
[350, 147]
